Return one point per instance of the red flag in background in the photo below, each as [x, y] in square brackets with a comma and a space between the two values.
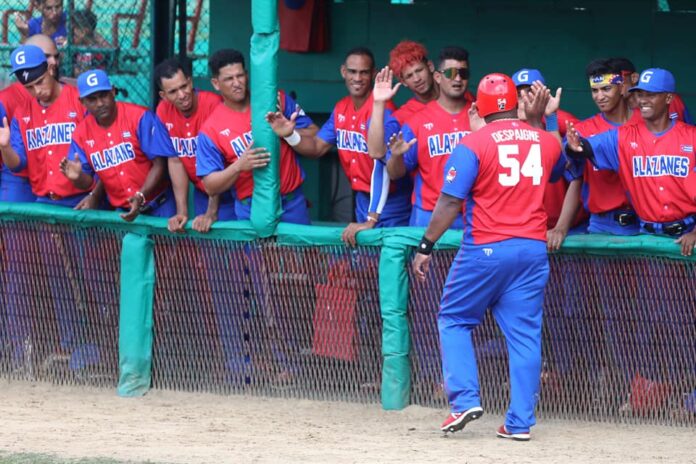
[303, 25]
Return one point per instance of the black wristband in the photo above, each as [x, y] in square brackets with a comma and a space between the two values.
[425, 247]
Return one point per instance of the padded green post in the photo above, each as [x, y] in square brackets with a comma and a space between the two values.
[396, 339]
[265, 40]
[135, 322]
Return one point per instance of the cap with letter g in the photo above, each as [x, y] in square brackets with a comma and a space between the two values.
[656, 80]
[527, 77]
[28, 63]
[92, 81]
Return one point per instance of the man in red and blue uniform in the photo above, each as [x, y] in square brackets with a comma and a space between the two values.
[409, 62]
[435, 131]
[183, 110]
[655, 162]
[501, 172]
[126, 146]
[226, 155]
[378, 203]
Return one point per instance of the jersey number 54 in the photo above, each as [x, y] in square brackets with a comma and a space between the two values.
[531, 167]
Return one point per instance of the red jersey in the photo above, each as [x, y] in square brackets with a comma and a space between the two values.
[657, 170]
[41, 136]
[13, 97]
[502, 171]
[184, 130]
[602, 191]
[121, 154]
[437, 133]
[225, 135]
[347, 130]
[408, 109]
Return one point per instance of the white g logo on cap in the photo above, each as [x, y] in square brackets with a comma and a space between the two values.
[20, 58]
[92, 79]
[646, 76]
[523, 76]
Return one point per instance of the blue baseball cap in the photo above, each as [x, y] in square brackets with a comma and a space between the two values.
[28, 63]
[94, 80]
[656, 80]
[527, 77]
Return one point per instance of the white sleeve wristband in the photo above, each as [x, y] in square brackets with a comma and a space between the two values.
[293, 139]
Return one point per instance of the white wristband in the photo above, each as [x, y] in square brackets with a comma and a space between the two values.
[293, 139]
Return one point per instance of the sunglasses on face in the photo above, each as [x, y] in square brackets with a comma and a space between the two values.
[451, 73]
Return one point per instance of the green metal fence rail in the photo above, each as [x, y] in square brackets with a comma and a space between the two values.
[301, 315]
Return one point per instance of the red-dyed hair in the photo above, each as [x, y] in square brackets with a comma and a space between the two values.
[406, 53]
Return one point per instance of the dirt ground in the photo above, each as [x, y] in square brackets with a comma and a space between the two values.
[173, 427]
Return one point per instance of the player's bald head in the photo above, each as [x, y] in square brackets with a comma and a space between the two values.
[44, 42]
[48, 46]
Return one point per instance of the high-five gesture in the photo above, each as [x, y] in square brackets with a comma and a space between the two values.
[282, 126]
[554, 102]
[383, 90]
[398, 145]
[4, 133]
[573, 138]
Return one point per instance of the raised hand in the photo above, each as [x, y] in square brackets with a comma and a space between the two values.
[21, 23]
[71, 168]
[398, 145]
[535, 102]
[554, 102]
[4, 133]
[476, 122]
[281, 125]
[383, 90]
[573, 138]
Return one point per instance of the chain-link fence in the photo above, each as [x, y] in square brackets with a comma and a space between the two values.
[114, 35]
[60, 303]
[260, 318]
[619, 341]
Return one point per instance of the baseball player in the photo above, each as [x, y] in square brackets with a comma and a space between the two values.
[603, 195]
[561, 199]
[430, 135]
[226, 155]
[126, 146]
[410, 64]
[677, 107]
[655, 162]
[14, 186]
[378, 203]
[183, 110]
[41, 131]
[501, 171]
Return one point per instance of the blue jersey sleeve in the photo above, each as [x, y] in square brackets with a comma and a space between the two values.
[302, 121]
[328, 131]
[606, 150]
[379, 188]
[17, 144]
[209, 158]
[411, 156]
[559, 169]
[76, 151]
[154, 137]
[461, 171]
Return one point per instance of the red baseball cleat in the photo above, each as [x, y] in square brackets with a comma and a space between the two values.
[457, 420]
[518, 436]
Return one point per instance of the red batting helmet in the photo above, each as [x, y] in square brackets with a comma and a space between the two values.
[496, 93]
